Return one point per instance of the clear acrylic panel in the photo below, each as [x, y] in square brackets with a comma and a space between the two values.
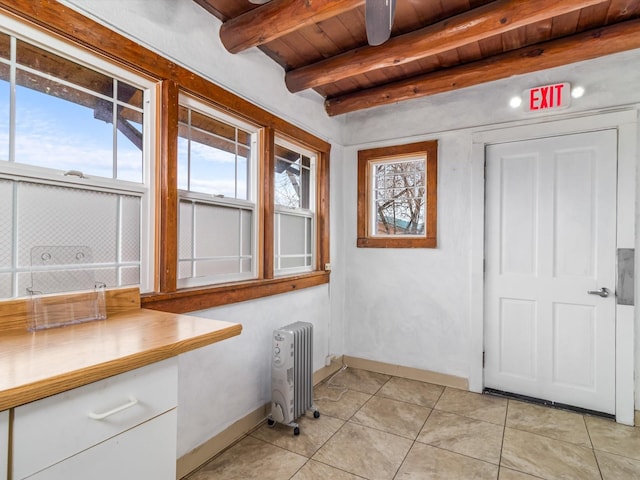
[61, 268]
[70, 134]
[56, 269]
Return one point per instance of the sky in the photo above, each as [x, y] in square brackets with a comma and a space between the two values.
[55, 133]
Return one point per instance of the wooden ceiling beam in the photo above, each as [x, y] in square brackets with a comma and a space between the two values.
[472, 26]
[277, 18]
[585, 46]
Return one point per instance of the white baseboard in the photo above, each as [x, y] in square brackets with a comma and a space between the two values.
[407, 372]
[209, 449]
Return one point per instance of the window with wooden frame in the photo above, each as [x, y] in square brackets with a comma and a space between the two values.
[76, 156]
[217, 190]
[294, 202]
[397, 196]
[193, 279]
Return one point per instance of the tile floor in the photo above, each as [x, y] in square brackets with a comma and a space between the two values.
[391, 428]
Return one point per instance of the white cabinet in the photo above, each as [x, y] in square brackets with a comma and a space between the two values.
[120, 427]
[144, 452]
[4, 444]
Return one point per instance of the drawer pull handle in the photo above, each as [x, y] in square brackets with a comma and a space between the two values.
[100, 416]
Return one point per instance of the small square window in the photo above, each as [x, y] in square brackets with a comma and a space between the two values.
[397, 198]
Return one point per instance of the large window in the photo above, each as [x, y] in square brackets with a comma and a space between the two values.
[217, 191]
[294, 198]
[74, 166]
[151, 174]
[397, 197]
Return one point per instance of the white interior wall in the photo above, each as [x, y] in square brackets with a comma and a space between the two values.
[412, 307]
[224, 382]
[409, 307]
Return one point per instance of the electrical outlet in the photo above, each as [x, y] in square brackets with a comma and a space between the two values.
[327, 360]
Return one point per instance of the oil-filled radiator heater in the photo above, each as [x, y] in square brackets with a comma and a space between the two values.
[292, 374]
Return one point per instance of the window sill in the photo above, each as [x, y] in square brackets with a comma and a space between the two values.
[396, 242]
[200, 298]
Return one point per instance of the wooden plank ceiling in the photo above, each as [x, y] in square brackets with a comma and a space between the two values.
[435, 45]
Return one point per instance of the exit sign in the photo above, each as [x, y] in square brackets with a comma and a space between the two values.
[547, 97]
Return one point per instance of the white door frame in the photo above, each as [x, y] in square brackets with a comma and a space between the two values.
[627, 125]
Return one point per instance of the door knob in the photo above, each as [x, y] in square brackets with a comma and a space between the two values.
[603, 292]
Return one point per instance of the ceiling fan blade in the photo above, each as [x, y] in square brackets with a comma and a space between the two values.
[379, 19]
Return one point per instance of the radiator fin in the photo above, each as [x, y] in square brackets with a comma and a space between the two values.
[293, 344]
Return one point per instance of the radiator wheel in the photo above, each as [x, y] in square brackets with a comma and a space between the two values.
[316, 414]
[296, 431]
[271, 422]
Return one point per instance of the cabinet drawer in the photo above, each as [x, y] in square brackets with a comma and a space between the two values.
[147, 451]
[4, 444]
[54, 428]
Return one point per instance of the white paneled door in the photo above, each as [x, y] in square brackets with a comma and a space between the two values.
[550, 240]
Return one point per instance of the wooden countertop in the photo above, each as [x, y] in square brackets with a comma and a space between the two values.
[34, 365]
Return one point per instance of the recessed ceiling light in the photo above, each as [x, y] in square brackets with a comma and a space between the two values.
[515, 102]
[259, 2]
[577, 92]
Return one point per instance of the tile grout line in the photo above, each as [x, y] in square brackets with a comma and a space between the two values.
[504, 431]
[404, 459]
[415, 440]
[593, 448]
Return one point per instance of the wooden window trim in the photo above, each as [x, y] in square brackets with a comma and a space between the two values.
[200, 298]
[57, 19]
[365, 158]
[167, 196]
